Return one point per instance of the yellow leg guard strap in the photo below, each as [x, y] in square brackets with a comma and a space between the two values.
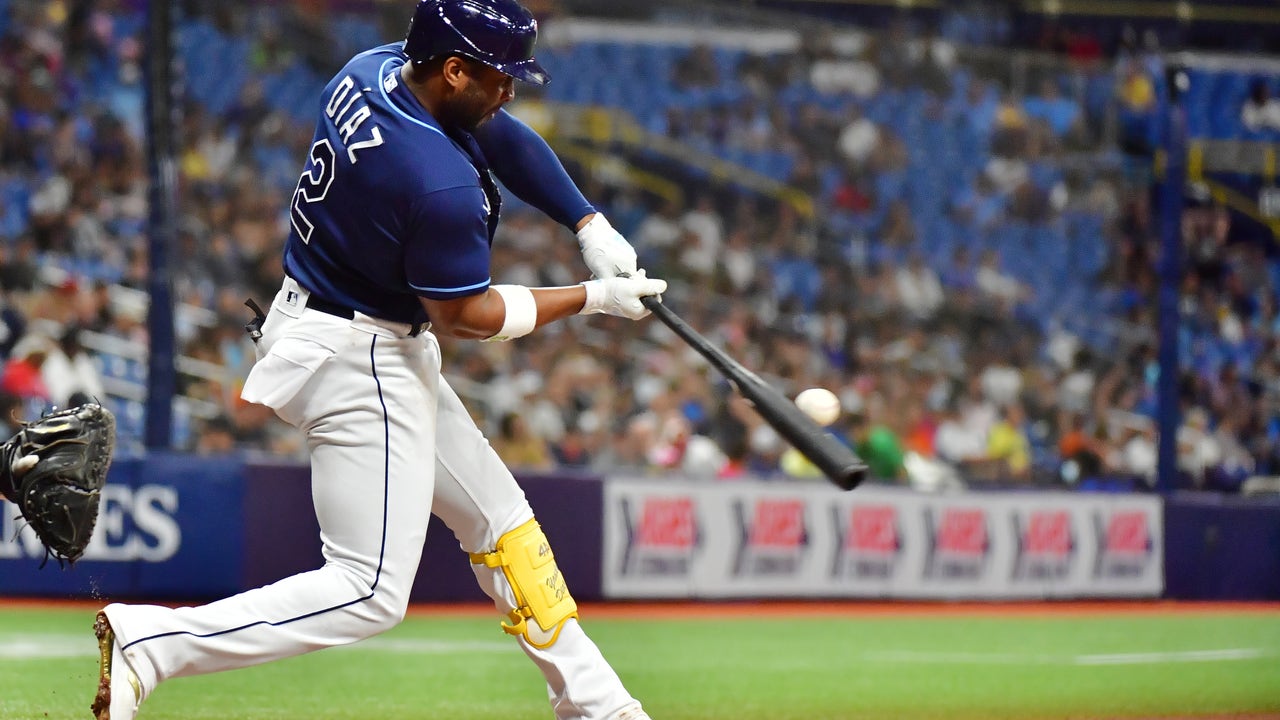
[541, 593]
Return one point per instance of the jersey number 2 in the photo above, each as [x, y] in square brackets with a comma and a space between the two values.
[312, 187]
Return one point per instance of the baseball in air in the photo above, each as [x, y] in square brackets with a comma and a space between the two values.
[820, 404]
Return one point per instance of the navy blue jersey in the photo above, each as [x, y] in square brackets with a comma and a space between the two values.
[389, 207]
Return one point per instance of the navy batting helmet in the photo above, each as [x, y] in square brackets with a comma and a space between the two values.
[498, 33]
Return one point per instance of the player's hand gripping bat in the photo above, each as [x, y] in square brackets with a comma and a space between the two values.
[838, 462]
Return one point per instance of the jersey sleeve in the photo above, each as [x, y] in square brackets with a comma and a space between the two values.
[446, 250]
[524, 162]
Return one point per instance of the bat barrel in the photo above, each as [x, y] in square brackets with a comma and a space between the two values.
[836, 460]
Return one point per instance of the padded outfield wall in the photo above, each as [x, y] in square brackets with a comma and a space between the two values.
[181, 528]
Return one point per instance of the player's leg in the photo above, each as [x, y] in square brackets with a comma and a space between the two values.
[369, 415]
[479, 500]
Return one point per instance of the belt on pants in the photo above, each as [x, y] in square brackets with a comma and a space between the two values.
[329, 308]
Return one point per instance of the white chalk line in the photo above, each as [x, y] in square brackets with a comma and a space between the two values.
[49, 646]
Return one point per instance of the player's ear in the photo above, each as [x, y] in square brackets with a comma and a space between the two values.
[454, 70]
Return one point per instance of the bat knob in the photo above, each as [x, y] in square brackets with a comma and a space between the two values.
[851, 476]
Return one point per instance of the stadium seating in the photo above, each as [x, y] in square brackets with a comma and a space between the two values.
[1062, 254]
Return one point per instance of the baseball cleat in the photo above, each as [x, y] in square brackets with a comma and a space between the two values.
[119, 693]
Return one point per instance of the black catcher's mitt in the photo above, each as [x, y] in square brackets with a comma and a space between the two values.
[54, 470]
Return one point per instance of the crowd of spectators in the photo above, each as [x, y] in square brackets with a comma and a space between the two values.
[938, 353]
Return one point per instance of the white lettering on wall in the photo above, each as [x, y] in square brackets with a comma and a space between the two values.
[132, 525]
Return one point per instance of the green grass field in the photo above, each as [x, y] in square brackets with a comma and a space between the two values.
[811, 668]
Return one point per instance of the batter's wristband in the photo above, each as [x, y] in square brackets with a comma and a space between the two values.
[596, 295]
[521, 312]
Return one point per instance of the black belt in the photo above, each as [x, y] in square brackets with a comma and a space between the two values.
[324, 306]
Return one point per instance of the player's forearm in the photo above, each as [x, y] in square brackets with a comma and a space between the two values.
[483, 316]
[506, 312]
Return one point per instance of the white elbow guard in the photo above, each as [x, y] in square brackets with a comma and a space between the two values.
[521, 312]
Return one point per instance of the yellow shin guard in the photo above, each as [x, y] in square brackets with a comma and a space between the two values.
[541, 593]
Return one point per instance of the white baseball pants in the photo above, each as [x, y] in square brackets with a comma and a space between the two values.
[390, 442]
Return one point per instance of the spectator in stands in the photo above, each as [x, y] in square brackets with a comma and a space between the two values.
[852, 193]
[1079, 446]
[738, 263]
[574, 447]
[1261, 111]
[1030, 203]
[518, 446]
[766, 448]
[13, 325]
[1001, 379]
[996, 285]
[679, 448]
[835, 74]
[899, 230]
[934, 60]
[216, 437]
[815, 131]
[877, 444]
[919, 289]
[1007, 170]
[1136, 92]
[737, 453]
[748, 126]
[958, 279]
[1198, 449]
[18, 270]
[1236, 463]
[978, 107]
[858, 138]
[703, 238]
[892, 52]
[12, 412]
[659, 233]
[21, 374]
[68, 369]
[697, 69]
[1008, 446]
[796, 466]
[1138, 455]
[796, 277]
[1058, 112]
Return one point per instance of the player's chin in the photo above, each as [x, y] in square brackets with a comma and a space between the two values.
[485, 119]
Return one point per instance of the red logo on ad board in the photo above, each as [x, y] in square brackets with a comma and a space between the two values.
[870, 542]
[1127, 533]
[963, 532]
[1126, 547]
[662, 536]
[1048, 532]
[874, 529]
[667, 522]
[959, 543]
[778, 524]
[773, 538]
[1045, 545]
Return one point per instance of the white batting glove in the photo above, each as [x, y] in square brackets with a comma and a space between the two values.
[604, 250]
[620, 296]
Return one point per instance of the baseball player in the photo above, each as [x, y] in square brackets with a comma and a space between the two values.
[392, 218]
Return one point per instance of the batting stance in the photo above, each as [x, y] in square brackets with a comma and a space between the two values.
[393, 218]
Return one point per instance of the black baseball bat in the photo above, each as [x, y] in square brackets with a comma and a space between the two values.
[833, 458]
